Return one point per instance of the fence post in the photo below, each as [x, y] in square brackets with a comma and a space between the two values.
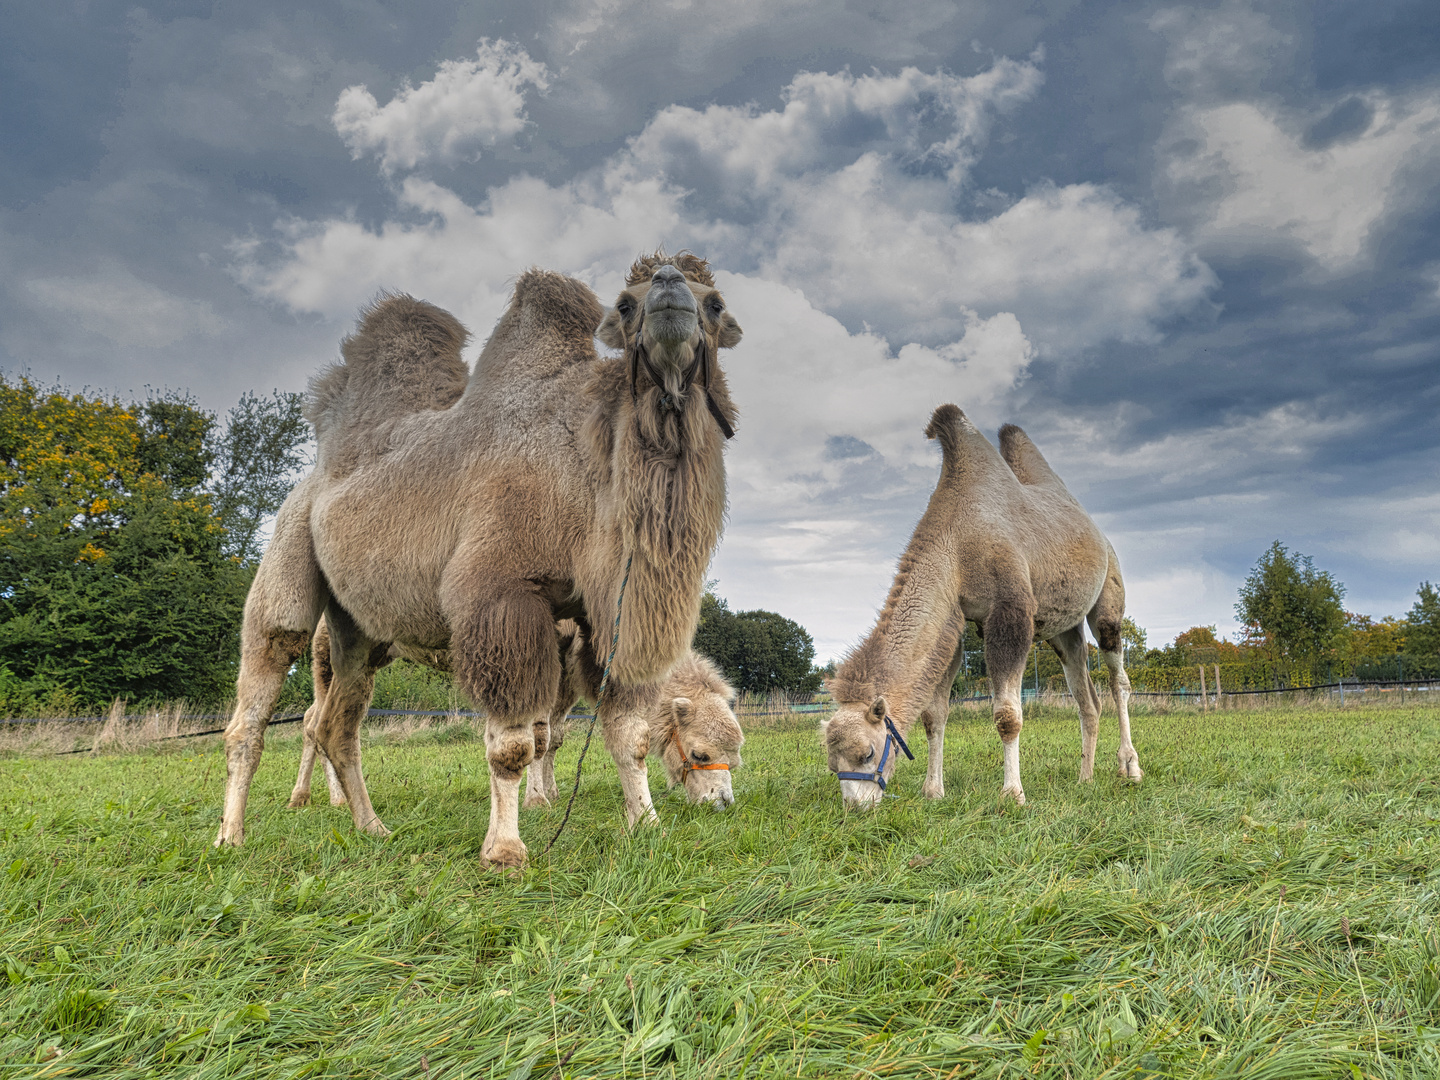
[1217, 686]
[1204, 694]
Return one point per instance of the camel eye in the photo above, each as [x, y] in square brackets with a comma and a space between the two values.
[716, 306]
[702, 758]
[625, 306]
[869, 756]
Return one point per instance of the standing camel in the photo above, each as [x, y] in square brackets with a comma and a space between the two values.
[555, 480]
[1005, 544]
[692, 727]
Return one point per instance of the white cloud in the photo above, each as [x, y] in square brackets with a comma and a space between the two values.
[468, 105]
[117, 305]
[866, 297]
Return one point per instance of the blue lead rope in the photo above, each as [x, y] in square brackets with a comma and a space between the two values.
[892, 738]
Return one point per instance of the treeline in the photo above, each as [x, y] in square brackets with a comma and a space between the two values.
[129, 532]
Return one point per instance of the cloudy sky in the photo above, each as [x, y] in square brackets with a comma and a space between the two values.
[1190, 247]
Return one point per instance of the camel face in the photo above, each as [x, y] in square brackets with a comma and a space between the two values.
[708, 736]
[671, 308]
[854, 740]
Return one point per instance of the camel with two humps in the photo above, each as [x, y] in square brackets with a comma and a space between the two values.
[1004, 544]
[554, 480]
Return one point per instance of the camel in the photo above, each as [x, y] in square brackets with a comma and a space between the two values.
[1005, 544]
[554, 481]
[692, 727]
[692, 709]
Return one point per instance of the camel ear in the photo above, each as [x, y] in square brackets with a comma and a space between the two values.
[610, 331]
[730, 332]
[878, 709]
[681, 708]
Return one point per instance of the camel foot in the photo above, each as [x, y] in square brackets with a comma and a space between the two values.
[1013, 793]
[503, 855]
[647, 818]
[534, 799]
[936, 792]
[1087, 773]
[230, 836]
[375, 827]
[298, 799]
[1129, 766]
[339, 800]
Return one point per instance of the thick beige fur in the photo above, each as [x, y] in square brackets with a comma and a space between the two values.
[472, 523]
[1005, 544]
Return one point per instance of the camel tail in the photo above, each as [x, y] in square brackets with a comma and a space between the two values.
[404, 357]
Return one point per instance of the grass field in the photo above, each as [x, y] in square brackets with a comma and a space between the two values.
[1263, 906]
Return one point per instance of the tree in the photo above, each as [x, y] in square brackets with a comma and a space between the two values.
[257, 460]
[120, 573]
[1423, 634]
[1290, 607]
[758, 651]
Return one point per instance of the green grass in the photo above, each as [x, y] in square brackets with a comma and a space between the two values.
[1191, 927]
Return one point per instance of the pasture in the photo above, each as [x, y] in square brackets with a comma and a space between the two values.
[1263, 906]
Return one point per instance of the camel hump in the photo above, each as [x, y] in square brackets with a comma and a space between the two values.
[952, 429]
[404, 357]
[555, 303]
[1025, 459]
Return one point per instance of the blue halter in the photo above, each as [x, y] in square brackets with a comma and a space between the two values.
[892, 738]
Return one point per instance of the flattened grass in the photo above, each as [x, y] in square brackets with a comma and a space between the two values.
[1263, 906]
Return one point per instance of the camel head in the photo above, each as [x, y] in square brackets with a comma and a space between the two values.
[696, 732]
[855, 740]
[671, 317]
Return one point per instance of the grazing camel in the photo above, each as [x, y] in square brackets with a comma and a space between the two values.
[692, 727]
[554, 480]
[1005, 544]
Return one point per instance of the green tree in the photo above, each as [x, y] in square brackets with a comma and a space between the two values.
[758, 651]
[257, 460]
[1422, 637]
[1290, 607]
[120, 574]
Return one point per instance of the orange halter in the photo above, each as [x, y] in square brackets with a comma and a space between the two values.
[686, 765]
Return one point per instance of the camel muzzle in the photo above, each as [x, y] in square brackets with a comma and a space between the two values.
[854, 786]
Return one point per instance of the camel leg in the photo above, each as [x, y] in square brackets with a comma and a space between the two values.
[310, 749]
[934, 717]
[547, 766]
[540, 787]
[281, 611]
[505, 656]
[1070, 647]
[627, 737]
[354, 659]
[1008, 632]
[1105, 622]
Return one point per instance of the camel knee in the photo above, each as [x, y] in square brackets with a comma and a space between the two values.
[1008, 722]
[542, 738]
[509, 751]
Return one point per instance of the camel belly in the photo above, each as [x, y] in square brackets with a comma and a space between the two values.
[383, 556]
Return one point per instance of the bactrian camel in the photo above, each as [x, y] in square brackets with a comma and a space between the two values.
[1005, 544]
[692, 727]
[473, 526]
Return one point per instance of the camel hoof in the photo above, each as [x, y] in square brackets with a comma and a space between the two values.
[339, 800]
[1129, 767]
[375, 827]
[503, 855]
[299, 799]
[648, 818]
[534, 800]
[928, 792]
[229, 838]
[1013, 793]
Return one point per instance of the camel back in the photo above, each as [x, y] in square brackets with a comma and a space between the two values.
[404, 358]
